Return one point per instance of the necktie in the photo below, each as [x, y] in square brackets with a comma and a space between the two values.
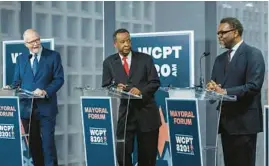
[229, 55]
[35, 64]
[125, 65]
[228, 59]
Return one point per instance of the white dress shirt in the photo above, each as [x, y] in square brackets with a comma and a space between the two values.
[234, 49]
[33, 57]
[128, 59]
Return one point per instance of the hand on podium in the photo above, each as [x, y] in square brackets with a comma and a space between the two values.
[213, 86]
[121, 86]
[130, 89]
[135, 91]
[39, 92]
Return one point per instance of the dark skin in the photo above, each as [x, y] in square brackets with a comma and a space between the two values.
[228, 37]
[123, 44]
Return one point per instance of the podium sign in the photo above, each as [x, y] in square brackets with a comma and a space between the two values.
[10, 136]
[98, 131]
[184, 131]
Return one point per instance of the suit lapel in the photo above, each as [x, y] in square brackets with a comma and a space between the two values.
[28, 67]
[221, 71]
[233, 62]
[119, 67]
[134, 64]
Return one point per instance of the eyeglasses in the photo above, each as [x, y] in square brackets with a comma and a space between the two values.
[123, 41]
[224, 32]
[36, 41]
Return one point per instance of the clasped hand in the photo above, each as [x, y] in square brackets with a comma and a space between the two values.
[133, 90]
[39, 92]
[213, 86]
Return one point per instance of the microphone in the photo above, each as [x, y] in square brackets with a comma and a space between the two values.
[201, 73]
[30, 56]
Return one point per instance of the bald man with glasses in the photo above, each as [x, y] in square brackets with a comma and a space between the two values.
[42, 73]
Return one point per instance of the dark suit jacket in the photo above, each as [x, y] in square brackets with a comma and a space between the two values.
[243, 78]
[49, 77]
[143, 75]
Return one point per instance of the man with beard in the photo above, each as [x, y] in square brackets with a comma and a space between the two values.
[240, 72]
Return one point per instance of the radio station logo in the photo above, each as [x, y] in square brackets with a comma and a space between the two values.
[184, 144]
[98, 136]
[7, 131]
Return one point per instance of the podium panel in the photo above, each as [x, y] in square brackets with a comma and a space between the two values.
[98, 130]
[21, 102]
[10, 134]
[184, 131]
[192, 140]
[99, 108]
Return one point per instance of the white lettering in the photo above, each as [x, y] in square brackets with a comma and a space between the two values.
[161, 52]
[14, 56]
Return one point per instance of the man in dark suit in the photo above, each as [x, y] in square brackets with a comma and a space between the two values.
[134, 72]
[240, 72]
[42, 73]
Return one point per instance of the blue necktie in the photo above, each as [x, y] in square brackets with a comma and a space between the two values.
[35, 64]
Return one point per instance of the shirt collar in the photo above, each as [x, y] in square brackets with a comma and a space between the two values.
[235, 47]
[127, 57]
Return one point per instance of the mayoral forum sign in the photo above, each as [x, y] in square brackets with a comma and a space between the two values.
[10, 137]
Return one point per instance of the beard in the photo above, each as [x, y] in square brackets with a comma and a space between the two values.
[222, 46]
[225, 45]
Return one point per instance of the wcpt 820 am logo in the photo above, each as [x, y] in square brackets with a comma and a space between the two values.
[164, 69]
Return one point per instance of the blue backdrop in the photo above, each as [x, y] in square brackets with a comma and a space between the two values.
[173, 55]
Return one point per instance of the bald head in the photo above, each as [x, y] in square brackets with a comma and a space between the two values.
[30, 33]
[32, 40]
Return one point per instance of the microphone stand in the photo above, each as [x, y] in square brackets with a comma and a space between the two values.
[201, 80]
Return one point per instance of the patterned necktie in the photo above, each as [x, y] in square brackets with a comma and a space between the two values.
[35, 64]
[125, 65]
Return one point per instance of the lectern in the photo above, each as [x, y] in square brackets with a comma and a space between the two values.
[14, 142]
[99, 109]
[184, 107]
